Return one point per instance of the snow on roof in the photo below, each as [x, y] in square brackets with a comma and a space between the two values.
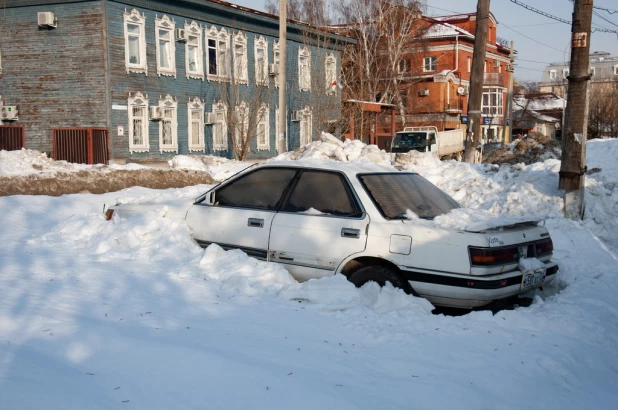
[540, 102]
[442, 29]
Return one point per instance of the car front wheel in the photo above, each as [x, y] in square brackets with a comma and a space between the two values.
[379, 275]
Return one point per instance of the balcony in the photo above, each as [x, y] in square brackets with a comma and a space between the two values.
[453, 106]
[493, 79]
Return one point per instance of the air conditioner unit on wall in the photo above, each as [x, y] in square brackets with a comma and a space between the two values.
[297, 115]
[423, 93]
[8, 113]
[181, 35]
[155, 113]
[209, 118]
[273, 69]
[47, 19]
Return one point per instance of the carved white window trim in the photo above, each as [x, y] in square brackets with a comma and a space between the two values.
[263, 121]
[168, 105]
[222, 52]
[135, 18]
[306, 126]
[276, 60]
[193, 30]
[138, 100]
[195, 115]
[219, 142]
[553, 74]
[261, 69]
[240, 64]
[330, 70]
[166, 25]
[304, 69]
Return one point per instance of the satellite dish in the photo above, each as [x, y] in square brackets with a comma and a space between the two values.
[340, 84]
[461, 91]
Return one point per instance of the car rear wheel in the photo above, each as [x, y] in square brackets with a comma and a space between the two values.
[379, 275]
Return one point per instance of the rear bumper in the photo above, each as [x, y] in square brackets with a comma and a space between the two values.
[466, 291]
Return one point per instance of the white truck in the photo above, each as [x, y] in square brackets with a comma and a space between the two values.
[447, 144]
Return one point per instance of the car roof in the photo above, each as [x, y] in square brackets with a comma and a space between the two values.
[349, 168]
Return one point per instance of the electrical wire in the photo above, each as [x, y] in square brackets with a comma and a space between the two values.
[602, 8]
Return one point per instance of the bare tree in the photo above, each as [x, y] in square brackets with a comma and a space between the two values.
[603, 114]
[312, 12]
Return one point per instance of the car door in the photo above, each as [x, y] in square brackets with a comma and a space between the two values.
[320, 224]
[242, 211]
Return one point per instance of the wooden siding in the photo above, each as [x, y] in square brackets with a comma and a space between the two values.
[55, 76]
[185, 89]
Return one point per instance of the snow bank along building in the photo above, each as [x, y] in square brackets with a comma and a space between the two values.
[144, 80]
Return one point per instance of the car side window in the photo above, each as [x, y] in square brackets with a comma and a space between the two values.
[261, 189]
[319, 193]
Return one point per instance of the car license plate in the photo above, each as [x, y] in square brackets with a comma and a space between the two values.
[533, 279]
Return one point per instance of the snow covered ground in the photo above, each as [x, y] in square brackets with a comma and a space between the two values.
[133, 314]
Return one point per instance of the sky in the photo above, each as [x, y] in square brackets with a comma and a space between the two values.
[538, 40]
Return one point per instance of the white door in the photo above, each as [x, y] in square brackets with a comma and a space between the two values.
[242, 212]
[319, 226]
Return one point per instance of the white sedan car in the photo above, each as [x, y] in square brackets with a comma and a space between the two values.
[320, 219]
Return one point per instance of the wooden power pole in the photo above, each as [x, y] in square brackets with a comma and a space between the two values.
[572, 168]
[476, 80]
[283, 21]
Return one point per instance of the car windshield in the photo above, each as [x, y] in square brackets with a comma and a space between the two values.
[409, 139]
[395, 194]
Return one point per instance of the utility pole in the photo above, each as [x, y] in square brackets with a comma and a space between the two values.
[283, 20]
[574, 133]
[509, 97]
[476, 80]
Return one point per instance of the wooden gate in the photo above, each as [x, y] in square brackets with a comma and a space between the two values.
[12, 138]
[81, 145]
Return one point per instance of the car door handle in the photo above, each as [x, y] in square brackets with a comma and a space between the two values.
[255, 223]
[350, 233]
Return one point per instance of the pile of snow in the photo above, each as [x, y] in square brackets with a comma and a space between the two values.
[28, 162]
[329, 147]
[219, 168]
[132, 312]
[534, 148]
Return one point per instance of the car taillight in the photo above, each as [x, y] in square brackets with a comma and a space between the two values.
[109, 214]
[483, 256]
[544, 246]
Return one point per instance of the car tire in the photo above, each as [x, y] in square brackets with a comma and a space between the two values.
[379, 275]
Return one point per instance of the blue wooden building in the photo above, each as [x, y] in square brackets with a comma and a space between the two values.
[146, 80]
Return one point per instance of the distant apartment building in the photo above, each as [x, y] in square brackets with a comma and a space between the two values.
[603, 68]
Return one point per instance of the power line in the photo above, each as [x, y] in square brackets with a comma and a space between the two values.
[602, 8]
[603, 18]
[530, 38]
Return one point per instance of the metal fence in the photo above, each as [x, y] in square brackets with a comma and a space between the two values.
[81, 145]
[11, 138]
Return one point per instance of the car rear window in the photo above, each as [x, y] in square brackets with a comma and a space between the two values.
[395, 193]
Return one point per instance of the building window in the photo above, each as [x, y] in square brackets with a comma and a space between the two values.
[552, 74]
[593, 71]
[168, 125]
[330, 68]
[615, 69]
[193, 51]
[430, 64]
[304, 69]
[492, 102]
[276, 60]
[404, 65]
[263, 128]
[138, 123]
[219, 128]
[241, 124]
[469, 64]
[240, 58]
[306, 123]
[135, 42]
[218, 57]
[565, 73]
[166, 46]
[278, 130]
[195, 110]
[261, 60]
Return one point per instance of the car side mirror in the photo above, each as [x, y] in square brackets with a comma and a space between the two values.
[210, 198]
